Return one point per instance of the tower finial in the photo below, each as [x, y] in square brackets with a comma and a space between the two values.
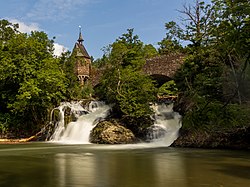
[80, 39]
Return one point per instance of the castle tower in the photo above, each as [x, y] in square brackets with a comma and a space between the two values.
[83, 60]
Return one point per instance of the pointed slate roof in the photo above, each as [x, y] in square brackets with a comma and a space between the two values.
[82, 50]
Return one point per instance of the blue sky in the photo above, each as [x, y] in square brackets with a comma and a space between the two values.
[102, 21]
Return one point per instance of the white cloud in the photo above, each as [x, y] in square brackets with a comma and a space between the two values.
[27, 28]
[55, 9]
[24, 27]
[59, 49]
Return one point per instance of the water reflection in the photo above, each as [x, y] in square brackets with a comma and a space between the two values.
[152, 168]
[74, 169]
[131, 168]
[45, 165]
[216, 168]
[170, 169]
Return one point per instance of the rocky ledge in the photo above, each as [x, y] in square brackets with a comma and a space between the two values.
[107, 132]
[237, 138]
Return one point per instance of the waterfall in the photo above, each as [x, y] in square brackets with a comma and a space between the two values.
[166, 125]
[163, 132]
[78, 131]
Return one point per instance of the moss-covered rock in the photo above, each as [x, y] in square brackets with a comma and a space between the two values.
[107, 132]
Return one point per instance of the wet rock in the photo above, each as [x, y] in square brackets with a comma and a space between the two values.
[106, 132]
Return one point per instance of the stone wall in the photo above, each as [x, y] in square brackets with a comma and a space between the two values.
[165, 65]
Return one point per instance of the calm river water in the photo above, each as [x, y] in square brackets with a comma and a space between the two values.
[55, 165]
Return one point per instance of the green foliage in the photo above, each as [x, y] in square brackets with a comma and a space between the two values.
[198, 22]
[73, 90]
[4, 120]
[168, 89]
[215, 71]
[149, 51]
[31, 81]
[215, 74]
[87, 91]
[123, 83]
[201, 73]
[171, 44]
[233, 43]
[67, 66]
[100, 62]
[134, 93]
[7, 31]
[214, 116]
[168, 46]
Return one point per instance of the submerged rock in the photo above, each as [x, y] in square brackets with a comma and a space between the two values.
[107, 132]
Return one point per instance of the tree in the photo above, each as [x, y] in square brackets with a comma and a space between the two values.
[171, 43]
[7, 30]
[217, 62]
[124, 83]
[168, 89]
[232, 41]
[31, 81]
[149, 51]
[198, 22]
[73, 89]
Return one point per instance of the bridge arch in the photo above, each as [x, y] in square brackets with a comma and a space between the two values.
[165, 65]
[161, 68]
[160, 79]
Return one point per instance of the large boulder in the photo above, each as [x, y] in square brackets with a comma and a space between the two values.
[107, 132]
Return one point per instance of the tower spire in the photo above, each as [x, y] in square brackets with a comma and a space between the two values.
[80, 39]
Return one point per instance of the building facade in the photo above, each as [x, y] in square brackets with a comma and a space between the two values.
[82, 61]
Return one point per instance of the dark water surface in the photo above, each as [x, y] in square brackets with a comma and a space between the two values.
[55, 165]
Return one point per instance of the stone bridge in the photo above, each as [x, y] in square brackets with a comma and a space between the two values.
[160, 68]
[163, 68]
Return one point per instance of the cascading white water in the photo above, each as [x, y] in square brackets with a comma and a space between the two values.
[162, 133]
[79, 130]
[166, 126]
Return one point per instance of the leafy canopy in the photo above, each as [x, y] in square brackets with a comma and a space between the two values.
[123, 82]
[31, 80]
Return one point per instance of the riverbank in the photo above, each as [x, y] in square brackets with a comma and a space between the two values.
[236, 138]
[15, 141]
[229, 139]
[11, 141]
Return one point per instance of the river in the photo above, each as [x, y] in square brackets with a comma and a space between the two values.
[89, 165]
